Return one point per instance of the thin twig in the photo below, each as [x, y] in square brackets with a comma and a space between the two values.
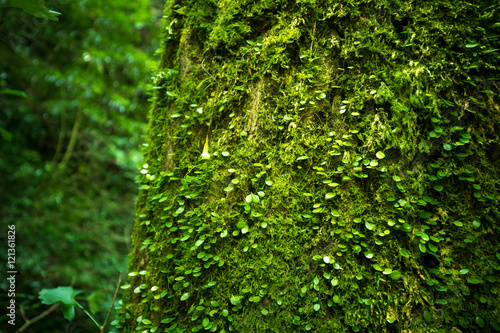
[23, 313]
[28, 322]
[61, 138]
[37, 318]
[72, 140]
[112, 302]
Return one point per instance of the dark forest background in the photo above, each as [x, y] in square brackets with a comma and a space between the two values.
[73, 107]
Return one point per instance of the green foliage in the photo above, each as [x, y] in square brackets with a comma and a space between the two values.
[352, 182]
[64, 296]
[73, 97]
[33, 7]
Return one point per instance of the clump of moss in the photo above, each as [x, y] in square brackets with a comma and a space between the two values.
[350, 184]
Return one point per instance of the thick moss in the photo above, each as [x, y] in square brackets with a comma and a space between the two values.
[352, 183]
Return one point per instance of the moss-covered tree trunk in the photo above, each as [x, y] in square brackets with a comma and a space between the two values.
[323, 166]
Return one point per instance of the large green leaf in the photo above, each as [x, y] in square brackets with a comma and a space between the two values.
[33, 7]
[17, 93]
[61, 295]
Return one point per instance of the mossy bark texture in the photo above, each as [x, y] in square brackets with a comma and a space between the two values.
[323, 166]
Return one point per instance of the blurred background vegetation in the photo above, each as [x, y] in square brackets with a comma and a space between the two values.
[73, 109]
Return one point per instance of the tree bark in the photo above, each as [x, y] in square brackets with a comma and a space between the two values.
[324, 166]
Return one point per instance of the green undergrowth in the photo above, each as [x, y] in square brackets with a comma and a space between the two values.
[352, 183]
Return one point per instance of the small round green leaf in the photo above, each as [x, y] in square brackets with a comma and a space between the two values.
[380, 155]
[495, 325]
[480, 322]
[235, 299]
[422, 247]
[254, 299]
[330, 195]
[404, 253]
[438, 188]
[369, 225]
[427, 316]
[424, 215]
[432, 247]
[447, 146]
[395, 275]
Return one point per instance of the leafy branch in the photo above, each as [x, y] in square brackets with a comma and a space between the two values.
[65, 296]
[33, 7]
